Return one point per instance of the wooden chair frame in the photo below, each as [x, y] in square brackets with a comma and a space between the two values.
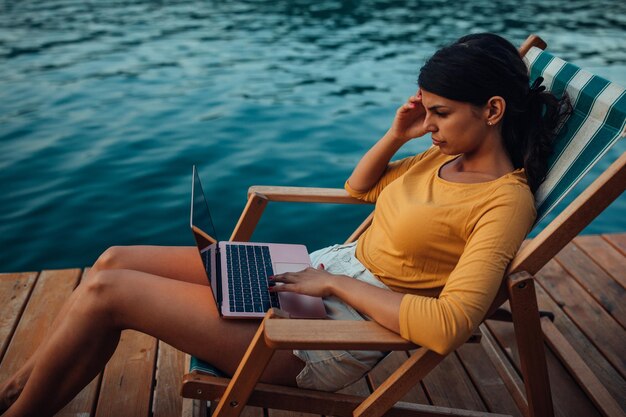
[277, 332]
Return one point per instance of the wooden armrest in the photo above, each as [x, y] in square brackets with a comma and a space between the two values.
[332, 334]
[304, 194]
[260, 195]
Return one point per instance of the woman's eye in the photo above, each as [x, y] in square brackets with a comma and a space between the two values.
[441, 114]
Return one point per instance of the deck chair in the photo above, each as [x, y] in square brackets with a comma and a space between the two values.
[598, 120]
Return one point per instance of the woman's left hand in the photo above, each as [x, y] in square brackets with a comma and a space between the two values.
[311, 281]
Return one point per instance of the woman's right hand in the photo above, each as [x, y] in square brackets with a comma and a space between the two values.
[409, 121]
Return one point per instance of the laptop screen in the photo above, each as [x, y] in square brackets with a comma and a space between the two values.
[200, 214]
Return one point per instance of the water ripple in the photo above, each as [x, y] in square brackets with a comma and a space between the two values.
[104, 107]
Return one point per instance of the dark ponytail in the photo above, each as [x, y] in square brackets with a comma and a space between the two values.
[477, 67]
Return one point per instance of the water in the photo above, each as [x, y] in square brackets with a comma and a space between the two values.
[105, 105]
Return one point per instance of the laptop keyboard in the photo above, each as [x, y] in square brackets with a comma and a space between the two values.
[248, 269]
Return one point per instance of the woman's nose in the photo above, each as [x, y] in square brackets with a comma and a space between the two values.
[428, 124]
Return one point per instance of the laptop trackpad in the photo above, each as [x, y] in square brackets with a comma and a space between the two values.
[298, 305]
[282, 267]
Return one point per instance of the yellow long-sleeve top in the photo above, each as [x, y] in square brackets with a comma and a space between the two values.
[443, 243]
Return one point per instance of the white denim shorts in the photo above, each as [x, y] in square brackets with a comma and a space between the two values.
[331, 370]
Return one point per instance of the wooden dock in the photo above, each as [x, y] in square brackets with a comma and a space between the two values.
[583, 286]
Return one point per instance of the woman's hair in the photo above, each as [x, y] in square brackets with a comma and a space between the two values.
[477, 67]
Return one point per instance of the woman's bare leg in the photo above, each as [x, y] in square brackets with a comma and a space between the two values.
[174, 262]
[181, 263]
[179, 313]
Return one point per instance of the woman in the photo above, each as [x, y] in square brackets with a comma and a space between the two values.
[447, 223]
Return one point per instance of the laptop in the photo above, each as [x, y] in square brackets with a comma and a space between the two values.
[238, 271]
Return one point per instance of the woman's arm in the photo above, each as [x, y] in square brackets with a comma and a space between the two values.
[382, 305]
[444, 323]
[407, 124]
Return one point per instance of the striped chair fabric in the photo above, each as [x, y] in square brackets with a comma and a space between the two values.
[597, 122]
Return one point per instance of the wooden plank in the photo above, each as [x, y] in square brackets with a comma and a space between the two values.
[486, 380]
[610, 378]
[128, 377]
[580, 371]
[48, 296]
[604, 255]
[598, 284]
[618, 240]
[448, 385]
[14, 292]
[586, 313]
[567, 397]
[167, 401]
[386, 367]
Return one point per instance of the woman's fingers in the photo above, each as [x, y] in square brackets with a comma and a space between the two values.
[406, 107]
[411, 103]
[282, 282]
[311, 281]
[285, 277]
[280, 278]
[281, 288]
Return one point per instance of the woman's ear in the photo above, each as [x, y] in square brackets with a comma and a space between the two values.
[494, 110]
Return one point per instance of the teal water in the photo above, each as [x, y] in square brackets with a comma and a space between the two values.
[105, 106]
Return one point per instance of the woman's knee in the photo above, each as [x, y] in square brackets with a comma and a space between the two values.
[112, 258]
[96, 296]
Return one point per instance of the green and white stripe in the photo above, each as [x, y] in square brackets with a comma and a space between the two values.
[597, 122]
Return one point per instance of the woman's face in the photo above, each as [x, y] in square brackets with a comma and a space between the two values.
[456, 127]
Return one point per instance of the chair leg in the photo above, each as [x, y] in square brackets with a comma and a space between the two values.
[529, 339]
[247, 375]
